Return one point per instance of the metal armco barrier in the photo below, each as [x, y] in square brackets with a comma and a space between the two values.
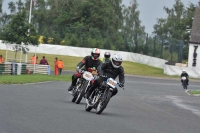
[39, 69]
[12, 68]
[5, 69]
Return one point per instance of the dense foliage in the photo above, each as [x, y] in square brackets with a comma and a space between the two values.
[105, 24]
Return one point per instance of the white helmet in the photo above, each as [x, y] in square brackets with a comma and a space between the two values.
[116, 60]
[183, 71]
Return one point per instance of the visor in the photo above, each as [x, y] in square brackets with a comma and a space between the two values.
[107, 56]
[96, 55]
[117, 63]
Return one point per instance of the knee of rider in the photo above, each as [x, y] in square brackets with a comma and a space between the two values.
[115, 91]
[74, 76]
[96, 83]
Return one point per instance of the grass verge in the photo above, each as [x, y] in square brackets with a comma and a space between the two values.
[194, 92]
[22, 79]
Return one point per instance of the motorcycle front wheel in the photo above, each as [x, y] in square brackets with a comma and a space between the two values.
[103, 103]
[81, 92]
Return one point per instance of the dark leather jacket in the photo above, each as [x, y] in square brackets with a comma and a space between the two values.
[88, 62]
[184, 75]
[108, 69]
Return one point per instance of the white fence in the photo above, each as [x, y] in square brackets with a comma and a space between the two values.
[39, 69]
[19, 68]
[177, 70]
[81, 52]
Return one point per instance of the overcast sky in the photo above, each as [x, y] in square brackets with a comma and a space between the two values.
[150, 10]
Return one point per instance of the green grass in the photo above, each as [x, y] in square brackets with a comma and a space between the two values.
[21, 79]
[141, 69]
[194, 91]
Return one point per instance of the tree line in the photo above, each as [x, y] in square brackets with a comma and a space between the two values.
[105, 24]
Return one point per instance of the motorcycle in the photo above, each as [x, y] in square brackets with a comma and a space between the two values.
[100, 97]
[83, 84]
[184, 82]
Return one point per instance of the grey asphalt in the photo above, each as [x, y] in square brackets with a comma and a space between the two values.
[147, 105]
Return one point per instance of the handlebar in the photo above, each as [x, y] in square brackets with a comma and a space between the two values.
[121, 86]
[81, 71]
[103, 76]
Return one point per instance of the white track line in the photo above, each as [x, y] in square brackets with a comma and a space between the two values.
[38, 83]
[160, 83]
[178, 102]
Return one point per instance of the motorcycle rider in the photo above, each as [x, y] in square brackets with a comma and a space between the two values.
[110, 69]
[106, 57]
[185, 74]
[88, 62]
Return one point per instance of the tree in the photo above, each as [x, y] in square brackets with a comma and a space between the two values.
[1, 3]
[85, 23]
[17, 31]
[179, 18]
[132, 29]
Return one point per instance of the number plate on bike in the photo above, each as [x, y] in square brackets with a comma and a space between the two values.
[88, 76]
[183, 78]
[111, 82]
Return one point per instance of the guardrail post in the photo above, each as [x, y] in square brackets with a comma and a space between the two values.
[13, 68]
[2, 69]
[19, 68]
[48, 70]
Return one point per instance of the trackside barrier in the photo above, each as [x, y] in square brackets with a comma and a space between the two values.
[5, 69]
[82, 52]
[177, 70]
[12, 68]
[39, 69]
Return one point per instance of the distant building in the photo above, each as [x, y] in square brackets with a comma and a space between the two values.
[194, 46]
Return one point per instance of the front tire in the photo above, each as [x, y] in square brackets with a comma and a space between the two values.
[74, 99]
[102, 105]
[87, 108]
[82, 92]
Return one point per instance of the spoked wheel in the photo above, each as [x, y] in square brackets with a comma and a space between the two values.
[184, 85]
[88, 108]
[81, 92]
[102, 104]
[74, 99]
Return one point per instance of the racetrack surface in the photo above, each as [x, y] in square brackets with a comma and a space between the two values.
[147, 105]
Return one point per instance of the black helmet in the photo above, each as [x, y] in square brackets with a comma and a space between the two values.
[107, 55]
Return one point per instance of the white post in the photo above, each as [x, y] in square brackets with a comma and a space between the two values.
[26, 58]
[35, 60]
[29, 20]
[6, 52]
[21, 52]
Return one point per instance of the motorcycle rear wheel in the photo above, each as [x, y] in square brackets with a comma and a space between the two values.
[184, 84]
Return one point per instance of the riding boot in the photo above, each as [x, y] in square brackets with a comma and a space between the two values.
[71, 87]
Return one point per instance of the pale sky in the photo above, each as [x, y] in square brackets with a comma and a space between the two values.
[150, 10]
